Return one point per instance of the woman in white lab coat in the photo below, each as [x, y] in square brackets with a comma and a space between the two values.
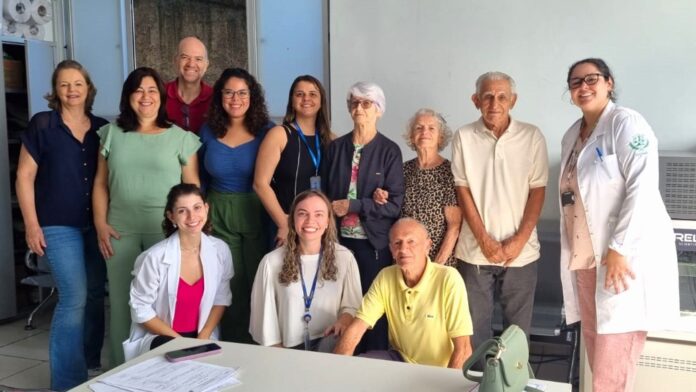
[181, 284]
[618, 259]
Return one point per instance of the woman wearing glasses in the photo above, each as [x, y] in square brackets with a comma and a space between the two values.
[618, 260]
[237, 122]
[292, 152]
[357, 164]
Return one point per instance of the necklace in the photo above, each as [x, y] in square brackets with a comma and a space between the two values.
[192, 250]
[584, 127]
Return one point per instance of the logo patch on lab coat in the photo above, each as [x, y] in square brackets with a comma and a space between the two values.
[639, 144]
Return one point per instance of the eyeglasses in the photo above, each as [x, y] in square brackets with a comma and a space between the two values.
[229, 94]
[366, 104]
[589, 79]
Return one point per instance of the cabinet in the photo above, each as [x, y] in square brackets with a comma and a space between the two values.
[99, 35]
[26, 78]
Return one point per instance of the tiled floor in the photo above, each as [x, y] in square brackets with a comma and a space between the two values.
[24, 354]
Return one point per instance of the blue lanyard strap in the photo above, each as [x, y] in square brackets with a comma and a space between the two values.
[307, 317]
[316, 158]
[308, 298]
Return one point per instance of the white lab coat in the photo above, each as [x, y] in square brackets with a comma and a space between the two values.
[156, 281]
[625, 212]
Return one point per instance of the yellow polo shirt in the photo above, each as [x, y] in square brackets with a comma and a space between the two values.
[422, 319]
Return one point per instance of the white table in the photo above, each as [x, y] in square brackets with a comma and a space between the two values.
[278, 369]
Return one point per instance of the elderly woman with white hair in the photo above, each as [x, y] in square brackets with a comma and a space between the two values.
[357, 164]
[429, 183]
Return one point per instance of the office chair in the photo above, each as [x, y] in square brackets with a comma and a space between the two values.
[42, 279]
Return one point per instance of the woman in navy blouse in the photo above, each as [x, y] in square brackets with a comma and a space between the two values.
[57, 165]
[237, 122]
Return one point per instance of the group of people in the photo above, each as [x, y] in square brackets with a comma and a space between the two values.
[212, 222]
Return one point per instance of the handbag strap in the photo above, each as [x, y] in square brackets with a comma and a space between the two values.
[479, 354]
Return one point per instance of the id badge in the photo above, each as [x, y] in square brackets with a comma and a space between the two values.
[315, 183]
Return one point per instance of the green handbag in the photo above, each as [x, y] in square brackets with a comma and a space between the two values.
[506, 367]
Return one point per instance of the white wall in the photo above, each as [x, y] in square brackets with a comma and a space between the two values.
[429, 54]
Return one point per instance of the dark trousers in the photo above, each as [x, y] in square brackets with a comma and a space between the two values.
[238, 219]
[515, 287]
[162, 339]
[370, 262]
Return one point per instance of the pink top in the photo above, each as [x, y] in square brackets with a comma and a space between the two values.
[188, 303]
[577, 231]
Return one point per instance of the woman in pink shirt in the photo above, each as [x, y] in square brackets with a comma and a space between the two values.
[188, 266]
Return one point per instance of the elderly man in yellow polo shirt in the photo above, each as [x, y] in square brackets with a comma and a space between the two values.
[425, 304]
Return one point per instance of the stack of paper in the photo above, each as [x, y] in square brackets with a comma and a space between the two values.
[158, 375]
[531, 383]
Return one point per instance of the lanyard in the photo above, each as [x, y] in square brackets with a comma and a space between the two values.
[316, 159]
[308, 298]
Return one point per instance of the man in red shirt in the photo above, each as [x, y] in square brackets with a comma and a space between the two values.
[188, 97]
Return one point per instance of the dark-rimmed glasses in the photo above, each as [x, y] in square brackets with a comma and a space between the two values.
[229, 94]
[589, 79]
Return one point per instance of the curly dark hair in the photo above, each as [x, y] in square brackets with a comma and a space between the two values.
[128, 119]
[255, 119]
[52, 97]
[323, 119]
[290, 271]
[173, 196]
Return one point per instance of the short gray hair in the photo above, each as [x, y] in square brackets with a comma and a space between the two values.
[495, 75]
[415, 221]
[445, 134]
[367, 90]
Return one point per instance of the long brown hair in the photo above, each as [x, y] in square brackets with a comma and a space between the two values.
[323, 128]
[291, 261]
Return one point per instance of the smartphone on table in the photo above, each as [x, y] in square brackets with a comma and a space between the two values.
[193, 352]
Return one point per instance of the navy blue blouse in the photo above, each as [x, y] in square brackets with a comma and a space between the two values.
[66, 169]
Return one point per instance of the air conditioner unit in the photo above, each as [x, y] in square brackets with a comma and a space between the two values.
[678, 183]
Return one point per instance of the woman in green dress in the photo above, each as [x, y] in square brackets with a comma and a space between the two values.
[141, 157]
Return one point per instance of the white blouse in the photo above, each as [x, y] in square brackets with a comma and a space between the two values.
[277, 309]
